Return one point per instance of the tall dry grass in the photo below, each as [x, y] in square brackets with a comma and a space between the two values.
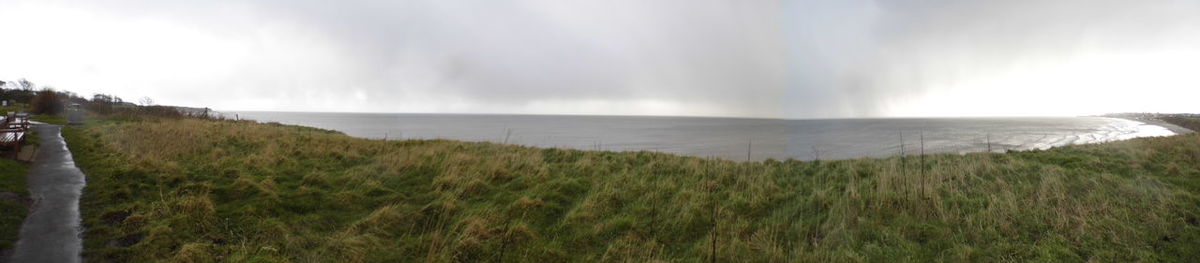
[203, 190]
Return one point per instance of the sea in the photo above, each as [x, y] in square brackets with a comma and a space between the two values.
[731, 138]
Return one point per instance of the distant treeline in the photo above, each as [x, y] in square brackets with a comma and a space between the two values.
[28, 96]
[16, 91]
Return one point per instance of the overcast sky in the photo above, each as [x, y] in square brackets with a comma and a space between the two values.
[785, 59]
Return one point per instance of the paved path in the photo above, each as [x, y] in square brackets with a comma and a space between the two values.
[51, 233]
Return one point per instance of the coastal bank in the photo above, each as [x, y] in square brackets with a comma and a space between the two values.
[198, 190]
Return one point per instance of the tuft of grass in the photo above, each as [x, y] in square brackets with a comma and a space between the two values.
[189, 190]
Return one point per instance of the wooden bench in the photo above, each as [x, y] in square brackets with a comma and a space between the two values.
[13, 129]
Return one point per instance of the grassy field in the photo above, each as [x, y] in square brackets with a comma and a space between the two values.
[201, 191]
[12, 211]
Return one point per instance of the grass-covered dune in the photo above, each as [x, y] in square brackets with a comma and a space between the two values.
[201, 191]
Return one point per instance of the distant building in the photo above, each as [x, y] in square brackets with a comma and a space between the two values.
[75, 114]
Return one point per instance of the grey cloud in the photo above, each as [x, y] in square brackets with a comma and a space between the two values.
[796, 59]
[730, 54]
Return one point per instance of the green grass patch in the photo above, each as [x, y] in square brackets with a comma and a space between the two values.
[12, 176]
[12, 212]
[6, 110]
[189, 190]
[51, 119]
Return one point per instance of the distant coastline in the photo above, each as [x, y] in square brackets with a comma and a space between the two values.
[1151, 120]
[1157, 122]
[732, 139]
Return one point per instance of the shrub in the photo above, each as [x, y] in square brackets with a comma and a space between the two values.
[47, 101]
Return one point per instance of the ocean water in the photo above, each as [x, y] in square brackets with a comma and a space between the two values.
[731, 138]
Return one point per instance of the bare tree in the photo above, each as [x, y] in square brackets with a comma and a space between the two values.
[25, 84]
[146, 101]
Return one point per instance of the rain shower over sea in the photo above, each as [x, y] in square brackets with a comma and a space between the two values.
[731, 138]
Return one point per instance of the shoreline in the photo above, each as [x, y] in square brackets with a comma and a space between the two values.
[1160, 123]
[763, 149]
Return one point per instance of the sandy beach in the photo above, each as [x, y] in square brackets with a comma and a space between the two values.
[1156, 122]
